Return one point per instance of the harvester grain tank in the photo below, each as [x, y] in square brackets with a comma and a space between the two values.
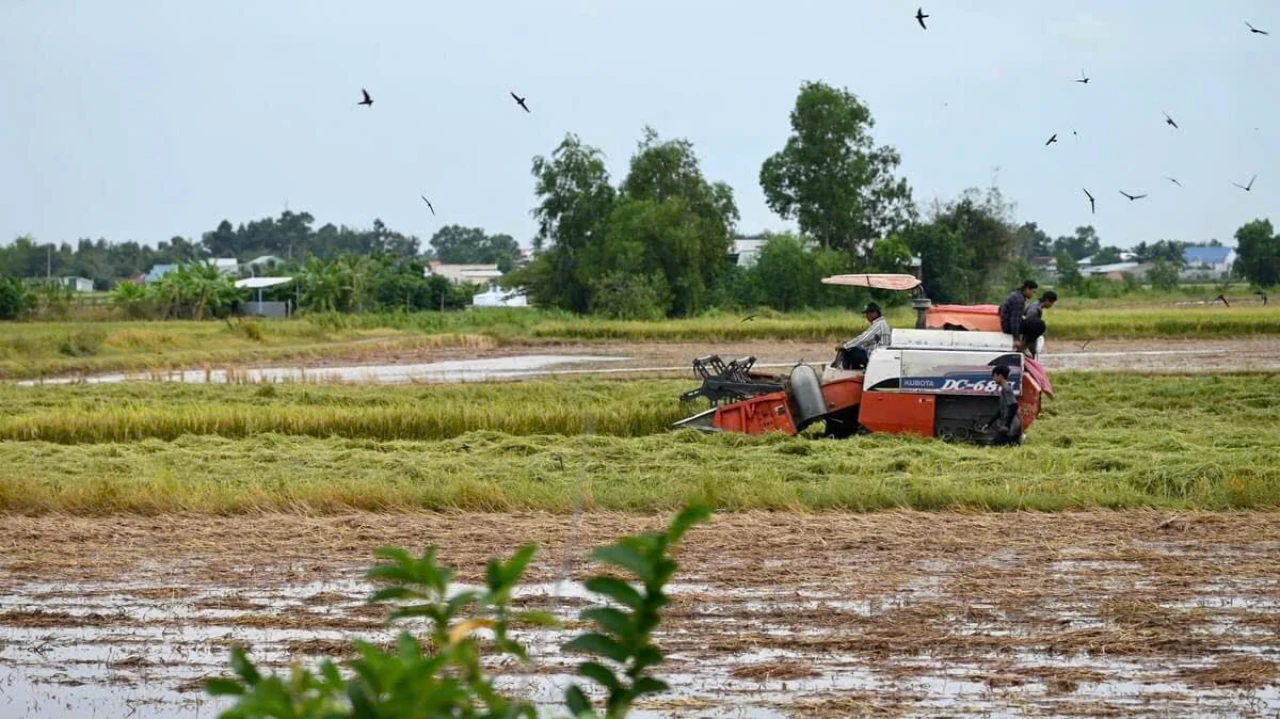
[934, 380]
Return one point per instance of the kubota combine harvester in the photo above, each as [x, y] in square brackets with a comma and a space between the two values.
[934, 380]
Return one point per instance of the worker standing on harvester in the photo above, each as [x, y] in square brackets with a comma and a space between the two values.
[857, 351]
[1008, 424]
[1014, 309]
[1033, 326]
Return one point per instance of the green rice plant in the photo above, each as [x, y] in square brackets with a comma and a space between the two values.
[1204, 442]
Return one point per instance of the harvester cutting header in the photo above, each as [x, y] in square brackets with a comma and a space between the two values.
[937, 380]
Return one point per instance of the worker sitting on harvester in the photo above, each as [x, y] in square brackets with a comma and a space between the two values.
[1008, 424]
[1014, 309]
[855, 353]
[1033, 325]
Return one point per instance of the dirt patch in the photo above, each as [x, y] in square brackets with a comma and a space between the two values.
[1090, 613]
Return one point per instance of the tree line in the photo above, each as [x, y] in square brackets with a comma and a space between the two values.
[656, 243]
[291, 237]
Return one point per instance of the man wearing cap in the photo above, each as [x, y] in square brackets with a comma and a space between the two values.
[879, 334]
[1014, 309]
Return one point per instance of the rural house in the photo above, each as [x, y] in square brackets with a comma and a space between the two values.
[1207, 263]
[78, 284]
[465, 274]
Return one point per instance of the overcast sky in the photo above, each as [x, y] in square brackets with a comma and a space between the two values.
[152, 118]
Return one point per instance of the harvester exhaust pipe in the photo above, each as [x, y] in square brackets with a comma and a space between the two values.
[921, 306]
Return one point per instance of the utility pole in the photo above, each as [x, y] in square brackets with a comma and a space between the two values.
[48, 268]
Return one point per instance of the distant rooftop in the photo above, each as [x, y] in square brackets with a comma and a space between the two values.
[1205, 255]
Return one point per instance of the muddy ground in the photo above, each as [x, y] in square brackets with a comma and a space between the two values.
[826, 615]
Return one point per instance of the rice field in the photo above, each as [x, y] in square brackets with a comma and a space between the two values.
[1108, 441]
[43, 349]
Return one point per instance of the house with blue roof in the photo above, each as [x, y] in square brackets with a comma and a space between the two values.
[1207, 263]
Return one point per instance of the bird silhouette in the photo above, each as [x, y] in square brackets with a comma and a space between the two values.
[1263, 295]
[429, 206]
[1255, 30]
[1084, 79]
[1132, 197]
[1248, 187]
[1173, 180]
[920, 16]
[1051, 140]
[520, 101]
[367, 99]
[1223, 299]
[1075, 135]
[748, 318]
[1086, 343]
[1092, 208]
[1169, 121]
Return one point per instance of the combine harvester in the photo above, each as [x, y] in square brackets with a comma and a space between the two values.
[934, 380]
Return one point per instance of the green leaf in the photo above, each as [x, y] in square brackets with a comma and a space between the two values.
[688, 517]
[599, 645]
[649, 685]
[576, 700]
[244, 668]
[223, 687]
[330, 672]
[615, 589]
[611, 620]
[600, 674]
[536, 619]
[393, 593]
[626, 557]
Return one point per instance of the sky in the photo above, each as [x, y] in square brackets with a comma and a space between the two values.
[146, 119]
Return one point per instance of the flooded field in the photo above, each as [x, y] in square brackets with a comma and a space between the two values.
[829, 615]
[670, 359]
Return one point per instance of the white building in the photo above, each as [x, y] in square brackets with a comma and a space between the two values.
[226, 265]
[745, 250]
[465, 274]
[495, 296]
[1207, 263]
[78, 284]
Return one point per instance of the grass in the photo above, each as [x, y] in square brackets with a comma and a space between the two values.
[1107, 441]
[50, 349]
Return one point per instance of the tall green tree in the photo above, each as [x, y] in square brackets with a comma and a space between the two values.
[1082, 244]
[458, 245]
[966, 246]
[670, 223]
[832, 178]
[1258, 253]
[1033, 241]
[575, 200]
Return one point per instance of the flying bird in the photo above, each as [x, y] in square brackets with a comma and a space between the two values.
[367, 99]
[920, 16]
[1075, 135]
[1051, 140]
[1092, 208]
[748, 318]
[1174, 180]
[1223, 299]
[429, 206]
[520, 101]
[1084, 79]
[1255, 30]
[1248, 187]
[1169, 121]
[1132, 197]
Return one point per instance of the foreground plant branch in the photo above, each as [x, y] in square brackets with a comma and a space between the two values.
[443, 676]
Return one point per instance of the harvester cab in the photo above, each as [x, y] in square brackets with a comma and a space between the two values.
[934, 380]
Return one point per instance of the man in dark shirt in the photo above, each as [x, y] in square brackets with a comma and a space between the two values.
[1008, 424]
[1013, 309]
[1033, 325]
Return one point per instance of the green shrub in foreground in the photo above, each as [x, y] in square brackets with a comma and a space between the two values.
[444, 676]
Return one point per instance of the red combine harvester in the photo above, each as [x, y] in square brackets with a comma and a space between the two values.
[934, 380]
